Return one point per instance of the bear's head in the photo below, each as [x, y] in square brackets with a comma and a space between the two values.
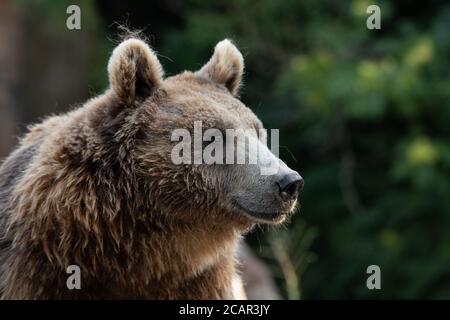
[187, 132]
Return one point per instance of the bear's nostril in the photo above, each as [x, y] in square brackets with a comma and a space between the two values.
[289, 185]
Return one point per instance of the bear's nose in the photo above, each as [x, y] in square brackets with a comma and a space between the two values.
[289, 184]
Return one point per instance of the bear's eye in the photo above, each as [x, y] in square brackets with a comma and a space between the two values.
[214, 138]
[224, 136]
[215, 146]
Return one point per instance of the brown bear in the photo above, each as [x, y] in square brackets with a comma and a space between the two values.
[97, 188]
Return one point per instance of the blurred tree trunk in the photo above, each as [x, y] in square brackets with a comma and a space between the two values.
[11, 33]
[44, 67]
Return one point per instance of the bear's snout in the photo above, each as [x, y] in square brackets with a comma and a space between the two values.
[288, 185]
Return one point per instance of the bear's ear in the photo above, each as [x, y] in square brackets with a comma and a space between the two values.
[225, 67]
[134, 71]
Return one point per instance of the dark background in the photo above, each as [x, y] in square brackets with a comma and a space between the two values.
[363, 115]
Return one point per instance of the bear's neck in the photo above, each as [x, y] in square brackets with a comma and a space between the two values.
[155, 255]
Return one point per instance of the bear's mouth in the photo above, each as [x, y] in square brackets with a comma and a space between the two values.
[262, 217]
